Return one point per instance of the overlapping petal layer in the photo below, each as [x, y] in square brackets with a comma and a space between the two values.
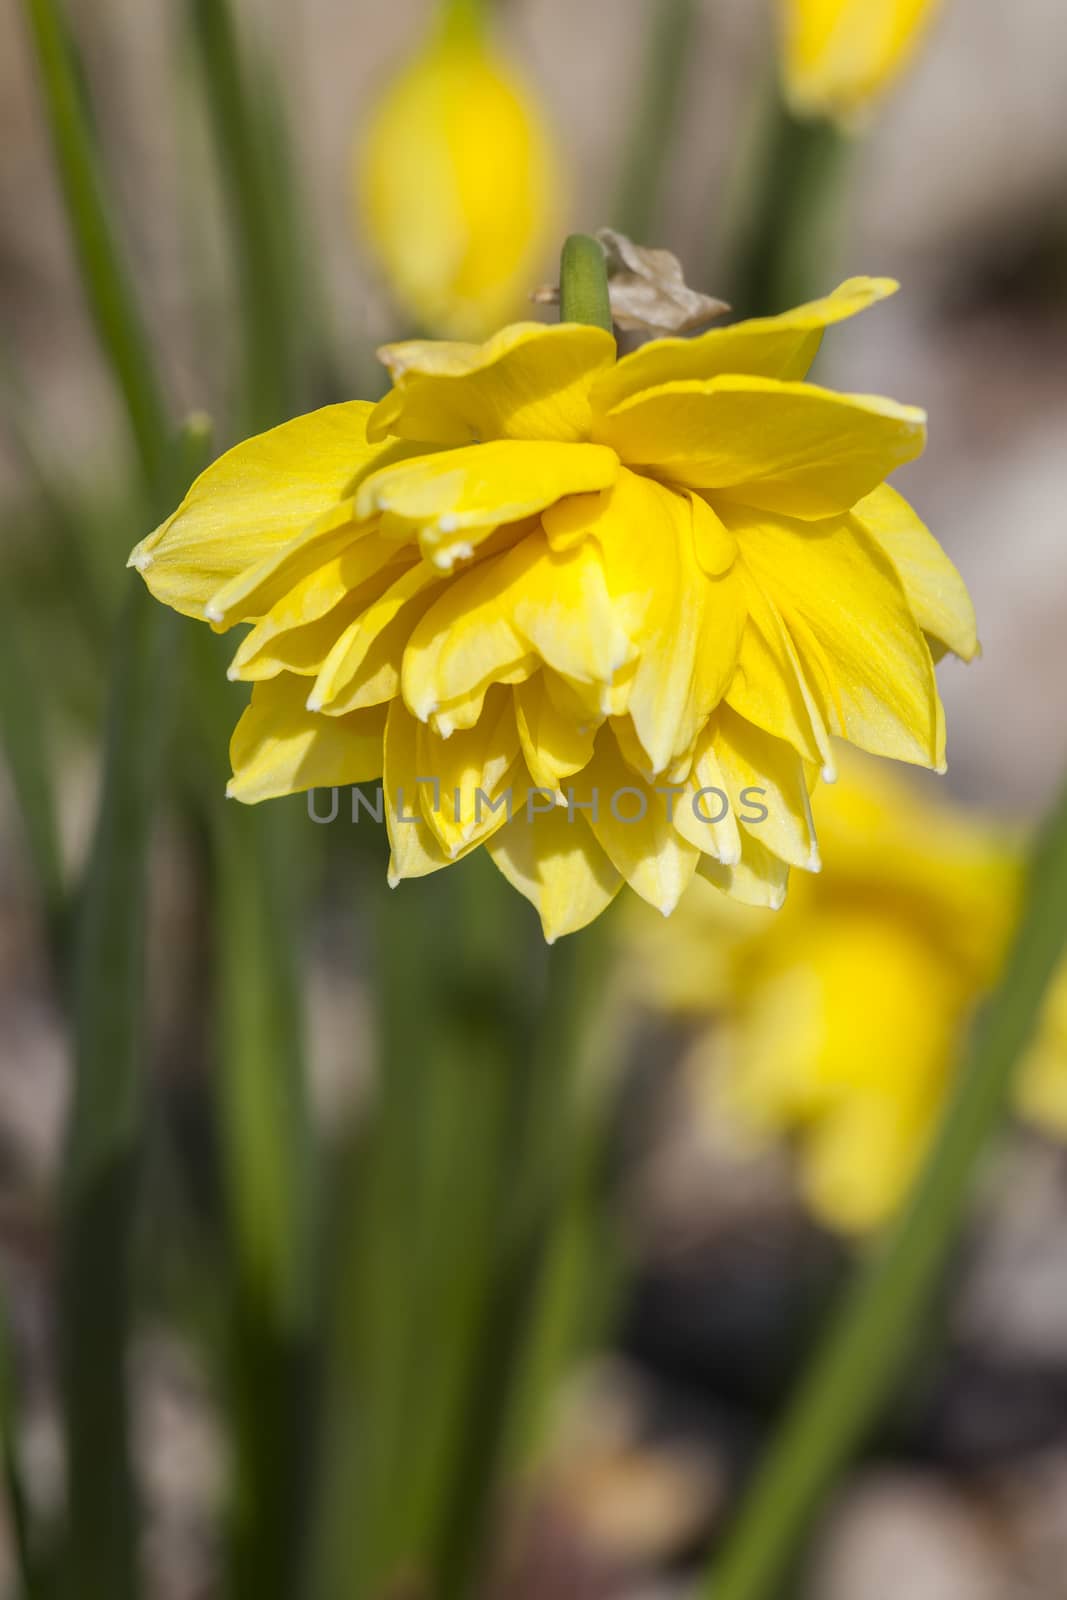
[602, 617]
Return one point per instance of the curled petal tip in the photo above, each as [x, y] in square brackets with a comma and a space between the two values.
[213, 613]
[313, 703]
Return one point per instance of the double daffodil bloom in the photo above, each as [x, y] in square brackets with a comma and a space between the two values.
[840, 56]
[602, 596]
[458, 186]
[838, 1023]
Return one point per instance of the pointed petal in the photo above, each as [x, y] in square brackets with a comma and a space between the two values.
[758, 879]
[416, 850]
[364, 665]
[773, 778]
[493, 623]
[454, 498]
[554, 744]
[705, 812]
[686, 627]
[529, 381]
[786, 447]
[862, 650]
[301, 628]
[559, 867]
[770, 687]
[253, 500]
[782, 347]
[279, 747]
[631, 822]
[469, 770]
[936, 593]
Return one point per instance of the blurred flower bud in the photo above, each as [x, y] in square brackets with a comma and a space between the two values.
[458, 189]
[842, 55]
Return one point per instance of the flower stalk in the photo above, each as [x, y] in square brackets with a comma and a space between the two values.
[863, 1353]
[789, 238]
[672, 30]
[583, 284]
[107, 282]
[237, 120]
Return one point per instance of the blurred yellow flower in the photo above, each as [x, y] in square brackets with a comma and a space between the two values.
[624, 603]
[838, 1022]
[841, 55]
[458, 186]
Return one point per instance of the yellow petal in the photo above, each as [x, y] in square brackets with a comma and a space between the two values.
[839, 55]
[863, 654]
[253, 501]
[458, 187]
[454, 498]
[303, 625]
[468, 771]
[555, 744]
[760, 878]
[936, 593]
[558, 866]
[686, 627]
[529, 381]
[363, 667]
[279, 747]
[632, 823]
[787, 447]
[493, 623]
[770, 688]
[705, 812]
[781, 347]
[416, 850]
[764, 774]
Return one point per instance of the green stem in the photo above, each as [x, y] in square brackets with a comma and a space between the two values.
[10, 1452]
[266, 1135]
[103, 1129]
[536, 1304]
[265, 1139]
[457, 1186]
[98, 1202]
[672, 31]
[106, 280]
[583, 283]
[789, 241]
[241, 150]
[23, 737]
[864, 1351]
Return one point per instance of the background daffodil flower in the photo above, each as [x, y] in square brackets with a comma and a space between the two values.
[838, 1022]
[839, 56]
[534, 567]
[458, 186]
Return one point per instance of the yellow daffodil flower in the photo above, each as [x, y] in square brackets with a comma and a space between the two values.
[458, 187]
[602, 596]
[839, 56]
[839, 1021]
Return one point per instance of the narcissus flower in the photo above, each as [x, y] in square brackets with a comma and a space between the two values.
[841, 55]
[600, 616]
[838, 1022]
[457, 185]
